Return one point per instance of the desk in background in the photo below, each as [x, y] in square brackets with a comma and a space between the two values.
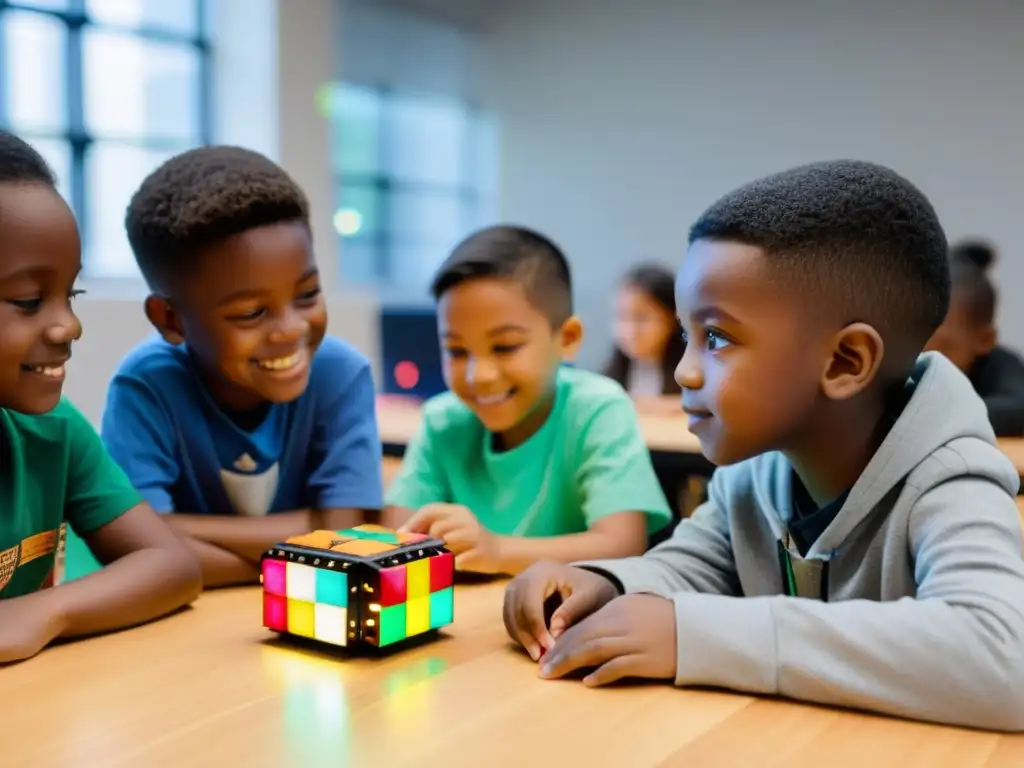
[210, 687]
[666, 434]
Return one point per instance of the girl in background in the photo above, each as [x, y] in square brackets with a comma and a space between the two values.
[648, 339]
[968, 338]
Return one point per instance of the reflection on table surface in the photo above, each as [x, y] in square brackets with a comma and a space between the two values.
[211, 687]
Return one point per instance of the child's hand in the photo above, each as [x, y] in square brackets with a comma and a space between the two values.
[27, 625]
[475, 548]
[581, 592]
[632, 636]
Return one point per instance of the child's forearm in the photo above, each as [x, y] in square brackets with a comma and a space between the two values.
[141, 586]
[247, 537]
[518, 554]
[222, 568]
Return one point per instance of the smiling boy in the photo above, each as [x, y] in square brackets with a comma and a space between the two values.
[53, 467]
[244, 423]
[524, 459]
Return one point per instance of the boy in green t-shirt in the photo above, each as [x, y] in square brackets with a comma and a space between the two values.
[523, 460]
[53, 467]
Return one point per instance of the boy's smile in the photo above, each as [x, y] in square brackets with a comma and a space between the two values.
[501, 354]
[252, 314]
[40, 258]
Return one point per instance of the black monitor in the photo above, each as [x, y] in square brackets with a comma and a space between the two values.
[410, 352]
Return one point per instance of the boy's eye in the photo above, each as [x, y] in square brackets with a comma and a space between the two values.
[506, 349]
[310, 295]
[716, 340]
[455, 352]
[27, 305]
[246, 316]
[76, 293]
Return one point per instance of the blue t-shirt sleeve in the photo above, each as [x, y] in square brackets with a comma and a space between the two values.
[615, 472]
[346, 452]
[139, 436]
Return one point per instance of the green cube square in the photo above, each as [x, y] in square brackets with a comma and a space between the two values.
[442, 607]
[392, 624]
[385, 536]
[332, 587]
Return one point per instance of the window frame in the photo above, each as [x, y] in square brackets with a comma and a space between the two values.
[75, 134]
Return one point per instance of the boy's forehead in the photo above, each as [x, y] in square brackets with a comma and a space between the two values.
[256, 260]
[38, 232]
[483, 304]
[717, 272]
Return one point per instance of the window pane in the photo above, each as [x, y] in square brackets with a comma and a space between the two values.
[136, 87]
[57, 154]
[33, 70]
[358, 263]
[425, 140]
[47, 5]
[355, 127]
[484, 149]
[436, 219]
[358, 216]
[113, 173]
[413, 264]
[172, 15]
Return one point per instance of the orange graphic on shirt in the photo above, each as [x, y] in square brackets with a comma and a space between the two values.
[32, 548]
[8, 562]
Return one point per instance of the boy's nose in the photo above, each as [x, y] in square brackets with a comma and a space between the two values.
[291, 327]
[481, 372]
[66, 330]
[688, 373]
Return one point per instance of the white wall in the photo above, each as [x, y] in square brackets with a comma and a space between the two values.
[622, 121]
[268, 67]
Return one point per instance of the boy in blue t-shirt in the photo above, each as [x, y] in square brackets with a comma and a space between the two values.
[54, 470]
[523, 459]
[243, 424]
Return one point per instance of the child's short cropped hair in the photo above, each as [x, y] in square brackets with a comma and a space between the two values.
[856, 238]
[21, 163]
[514, 253]
[201, 197]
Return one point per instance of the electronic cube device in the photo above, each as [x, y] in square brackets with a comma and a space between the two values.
[363, 586]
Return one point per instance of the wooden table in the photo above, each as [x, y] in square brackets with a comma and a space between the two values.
[664, 432]
[210, 687]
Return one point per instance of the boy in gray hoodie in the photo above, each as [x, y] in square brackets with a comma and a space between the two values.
[860, 545]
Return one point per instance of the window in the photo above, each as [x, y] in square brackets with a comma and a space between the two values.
[106, 90]
[413, 175]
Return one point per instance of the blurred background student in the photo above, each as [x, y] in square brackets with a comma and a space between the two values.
[648, 339]
[969, 338]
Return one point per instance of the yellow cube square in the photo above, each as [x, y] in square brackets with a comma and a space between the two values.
[302, 618]
[417, 616]
[417, 579]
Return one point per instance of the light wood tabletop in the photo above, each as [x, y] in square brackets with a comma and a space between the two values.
[211, 687]
[398, 420]
[663, 429]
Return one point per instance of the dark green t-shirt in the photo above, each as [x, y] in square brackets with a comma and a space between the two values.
[53, 469]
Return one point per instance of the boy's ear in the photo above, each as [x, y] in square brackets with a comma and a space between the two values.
[570, 336]
[163, 317]
[987, 340]
[857, 353]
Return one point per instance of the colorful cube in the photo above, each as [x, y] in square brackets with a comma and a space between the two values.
[363, 586]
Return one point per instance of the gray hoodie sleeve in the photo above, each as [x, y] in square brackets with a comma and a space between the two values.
[955, 654]
[696, 558]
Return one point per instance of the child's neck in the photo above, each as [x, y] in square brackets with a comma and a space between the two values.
[527, 428]
[834, 455]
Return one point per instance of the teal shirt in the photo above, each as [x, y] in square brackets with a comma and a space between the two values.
[588, 460]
